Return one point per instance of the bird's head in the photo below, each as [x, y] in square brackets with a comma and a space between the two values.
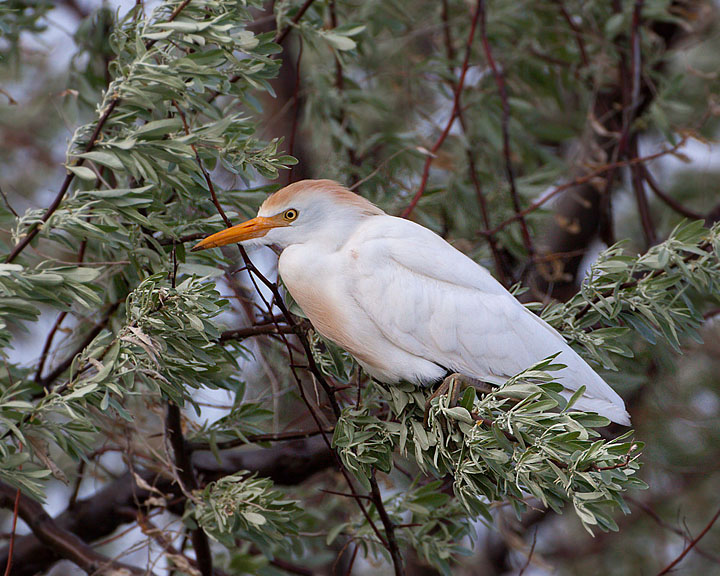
[303, 211]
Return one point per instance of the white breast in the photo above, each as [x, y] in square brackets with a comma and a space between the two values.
[320, 282]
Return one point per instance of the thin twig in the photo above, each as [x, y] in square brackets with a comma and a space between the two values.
[589, 177]
[254, 273]
[296, 111]
[456, 106]
[36, 227]
[47, 381]
[636, 172]
[504, 124]
[7, 203]
[690, 545]
[242, 333]
[280, 37]
[388, 525]
[186, 474]
[663, 524]
[16, 507]
[576, 31]
[530, 554]
[500, 267]
[669, 200]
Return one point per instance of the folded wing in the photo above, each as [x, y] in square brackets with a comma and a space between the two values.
[435, 303]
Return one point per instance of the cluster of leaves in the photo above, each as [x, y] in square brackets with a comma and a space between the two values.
[656, 294]
[507, 445]
[135, 174]
[23, 289]
[245, 507]
[170, 341]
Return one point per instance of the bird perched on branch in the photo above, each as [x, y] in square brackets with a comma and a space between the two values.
[400, 299]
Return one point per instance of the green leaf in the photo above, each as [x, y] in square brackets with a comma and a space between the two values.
[82, 172]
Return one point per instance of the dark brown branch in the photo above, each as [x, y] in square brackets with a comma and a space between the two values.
[280, 37]
[669, 200]
[291, 568]
[186, 475]
[182, 239]
[690, 545]
[63, 543]
[242, 333]
[48, 343]
[576, 31]
[456, 107]
[504, 124]
[388, 525]
[257, 438]
[58, 322]
[638, 181]
[13, 530]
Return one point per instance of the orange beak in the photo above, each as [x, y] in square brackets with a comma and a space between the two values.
[255, 228]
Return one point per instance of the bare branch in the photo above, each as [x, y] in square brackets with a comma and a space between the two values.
[690, 545]
[62, 543]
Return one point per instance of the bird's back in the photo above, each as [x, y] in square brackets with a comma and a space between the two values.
[435, 304]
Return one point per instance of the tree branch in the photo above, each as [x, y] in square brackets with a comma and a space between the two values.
[35, 228]
[99, 515]
[388, 525]
[456, 107]
[690, 545]
[186, 474]
[505, 120]
[62, 543]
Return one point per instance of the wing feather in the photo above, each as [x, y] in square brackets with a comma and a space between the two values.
[435, 303]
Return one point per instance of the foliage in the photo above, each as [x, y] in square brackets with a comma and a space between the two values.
[106, 321]
[245, 507]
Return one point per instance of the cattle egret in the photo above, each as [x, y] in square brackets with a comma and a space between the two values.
[400, 299]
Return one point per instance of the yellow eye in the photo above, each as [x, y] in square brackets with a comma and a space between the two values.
[290, 215]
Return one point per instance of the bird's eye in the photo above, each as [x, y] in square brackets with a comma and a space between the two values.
[290, 215]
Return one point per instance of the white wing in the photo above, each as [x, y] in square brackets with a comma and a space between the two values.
[438, 305]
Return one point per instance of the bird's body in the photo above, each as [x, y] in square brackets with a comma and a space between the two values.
[405, 303]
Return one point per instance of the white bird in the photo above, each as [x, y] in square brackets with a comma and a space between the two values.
[405, 303]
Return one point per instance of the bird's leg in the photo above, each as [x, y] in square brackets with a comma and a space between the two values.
[455, 383]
